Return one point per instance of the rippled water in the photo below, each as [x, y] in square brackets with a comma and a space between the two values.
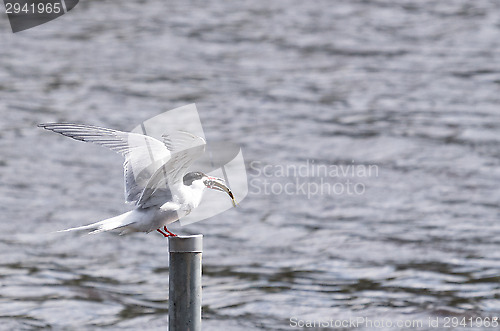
[411, 88]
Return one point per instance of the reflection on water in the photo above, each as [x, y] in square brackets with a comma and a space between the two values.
[409, 87]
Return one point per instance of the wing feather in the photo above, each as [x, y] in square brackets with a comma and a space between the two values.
[185, 148]
[144, 155]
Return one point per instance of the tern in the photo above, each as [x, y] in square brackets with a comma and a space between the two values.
[155, 173]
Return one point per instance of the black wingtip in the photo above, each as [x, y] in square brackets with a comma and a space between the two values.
[50, 126]
[46, 125]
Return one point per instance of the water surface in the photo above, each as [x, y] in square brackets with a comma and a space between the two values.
[411, 87]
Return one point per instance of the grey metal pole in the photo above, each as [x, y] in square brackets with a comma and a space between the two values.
[184, 283]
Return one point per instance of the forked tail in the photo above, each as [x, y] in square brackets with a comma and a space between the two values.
[106, 225]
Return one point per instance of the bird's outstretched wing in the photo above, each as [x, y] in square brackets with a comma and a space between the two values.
[185, 148]
[144, 155]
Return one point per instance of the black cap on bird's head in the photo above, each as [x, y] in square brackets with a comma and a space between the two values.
[210, 182]
[190, 177]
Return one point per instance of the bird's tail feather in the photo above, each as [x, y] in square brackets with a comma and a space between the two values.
[106, 225]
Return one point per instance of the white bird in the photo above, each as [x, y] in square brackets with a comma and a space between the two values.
[155, 176]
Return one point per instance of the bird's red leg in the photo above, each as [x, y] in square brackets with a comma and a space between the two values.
[164, 234]
[171, 234]
[168, 234]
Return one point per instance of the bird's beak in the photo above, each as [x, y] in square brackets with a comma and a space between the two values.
[219, 185]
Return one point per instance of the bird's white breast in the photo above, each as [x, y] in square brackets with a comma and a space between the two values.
[192, 195]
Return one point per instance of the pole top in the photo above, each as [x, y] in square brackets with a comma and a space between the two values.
[186, 244]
